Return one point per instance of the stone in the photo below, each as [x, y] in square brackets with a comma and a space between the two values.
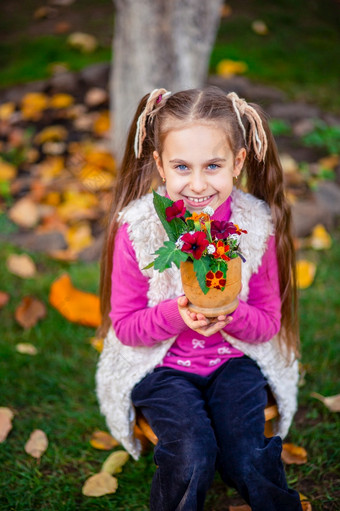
[64, 82]
[96, 75]
[93, 252]
[306, 214]
[293, 111]
[38, 242]
[16, 93]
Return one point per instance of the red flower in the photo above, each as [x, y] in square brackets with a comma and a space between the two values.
[215, 280]
[194, 244]
[175, 211]
[221, 230]
[221, 250]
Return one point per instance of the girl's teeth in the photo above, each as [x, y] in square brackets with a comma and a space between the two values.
[193, 199]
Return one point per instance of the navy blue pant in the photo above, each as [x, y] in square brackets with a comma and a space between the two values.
[209, 423]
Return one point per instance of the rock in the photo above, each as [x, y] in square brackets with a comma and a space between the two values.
[303, 127]
[244, 88]
[38, 242]
[293, 111]
[64, 82]
[93, 252]
[308, 213]
[96, 75]
[328, 194]
[15, 94]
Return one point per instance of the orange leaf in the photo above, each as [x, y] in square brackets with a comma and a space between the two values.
[33, 104]
[37, 443]
[4, 297]
[103, 441]
[102, 123]
[75, 305]
[292, 454]
[61, 101]
[6, 416]
[29, 312]
[306, 506]
[7, 171]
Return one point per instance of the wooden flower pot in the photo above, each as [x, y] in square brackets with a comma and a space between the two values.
[215, 302]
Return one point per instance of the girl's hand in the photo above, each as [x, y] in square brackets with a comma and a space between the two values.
[198, 322]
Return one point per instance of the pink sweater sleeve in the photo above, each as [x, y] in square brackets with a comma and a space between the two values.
[135, 323]
[259, 319]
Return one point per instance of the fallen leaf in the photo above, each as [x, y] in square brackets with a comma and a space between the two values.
[75, 305]
[24, 212]
[7, 171]
[21, 265]
[63, 255]
[331, 402]
[61, 101]
[103, 441]
[50, 168]
[226, 11]
[79, 236]
[33, 104]
[243, 507]
[97, 343]
[95, 179]
[228, 67]
[320, 239]
[101, 125]
[306, 506]
[95, 97]
[77, 205]
[293, 454]
[51, 134]
[6, 416]
[4, 297]
[37, 443]
[100, 484]
[329, 162]
[84, 42]
[113, 463]
[26, 348]
[259, 27]
[29, 311]
[305, 272]
[6, 110]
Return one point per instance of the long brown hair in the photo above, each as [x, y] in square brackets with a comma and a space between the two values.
[263, 179]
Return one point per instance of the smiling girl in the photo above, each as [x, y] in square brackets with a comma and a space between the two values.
[201, 385]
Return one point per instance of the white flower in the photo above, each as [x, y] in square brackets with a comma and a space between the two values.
[179, 243]
[208, 210]
[211, 249]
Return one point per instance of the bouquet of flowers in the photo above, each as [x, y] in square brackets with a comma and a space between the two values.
[208, 243]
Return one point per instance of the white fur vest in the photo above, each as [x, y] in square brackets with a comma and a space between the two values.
[120, 367]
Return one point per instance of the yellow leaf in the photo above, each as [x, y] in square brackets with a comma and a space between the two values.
[50, 168]
[79, 236]
[102, 124]
[228, 67]
[77, 205]
[320, 239]
[95, 179]
[33, 104]
[7, 171]
[331, 402]
[305, 271]
[26, 348]
[6, 110]
[293, 454]
[97, 343]
[51, 134]
[61, 101]
[24, 212]
[99, 485]
[6, 416]
[113, 463]
[29, 311]
[101, 159]
[37, 443]
[21, 265]
[75, 305]
[329, 162]
[103, 441]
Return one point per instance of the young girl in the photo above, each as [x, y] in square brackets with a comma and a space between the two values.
[201, 385]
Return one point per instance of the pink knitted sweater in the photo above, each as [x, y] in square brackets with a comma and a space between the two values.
[256, 320]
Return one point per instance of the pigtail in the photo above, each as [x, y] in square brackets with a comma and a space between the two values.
[134, 180]
[265, 181]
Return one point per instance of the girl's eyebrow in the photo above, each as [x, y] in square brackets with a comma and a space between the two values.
[208, 162]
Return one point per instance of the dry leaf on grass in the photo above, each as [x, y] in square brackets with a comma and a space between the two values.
[25, 213]
[331, 402]
[7, 171]
[306, 506]
[37, 443]
[320, 239]
[103, 441]
[99, 485]
[228, 67]
[29, 311]
[26, 348]
[305, 272]
[6, 416]
[114, 463]
[97, 343]
[75, 305]
[4, 297]
[293, 454]
[243, 507]
[21, 265]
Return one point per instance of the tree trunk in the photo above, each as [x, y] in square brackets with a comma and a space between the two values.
[157, 43]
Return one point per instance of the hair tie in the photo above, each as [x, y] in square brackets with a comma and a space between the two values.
[155, 97]
[257, 134]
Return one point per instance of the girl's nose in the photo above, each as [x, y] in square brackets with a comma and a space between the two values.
[197, 182]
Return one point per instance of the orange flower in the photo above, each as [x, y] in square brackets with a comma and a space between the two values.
[221, 250]
[215, 279]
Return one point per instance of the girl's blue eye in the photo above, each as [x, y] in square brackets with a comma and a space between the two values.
[181, 167]
[213, 166]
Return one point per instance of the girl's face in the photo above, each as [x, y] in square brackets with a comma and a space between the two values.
[198, 166]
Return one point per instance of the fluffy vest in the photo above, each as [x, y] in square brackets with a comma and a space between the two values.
[120, 367]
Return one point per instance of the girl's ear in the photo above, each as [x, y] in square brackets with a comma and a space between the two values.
[159, 166]
[239, 161]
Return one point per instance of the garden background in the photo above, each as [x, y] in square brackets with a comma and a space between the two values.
[55, 175]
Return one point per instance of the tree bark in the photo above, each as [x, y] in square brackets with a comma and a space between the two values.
[157, 43]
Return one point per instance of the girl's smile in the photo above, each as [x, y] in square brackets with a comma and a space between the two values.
[198, 165]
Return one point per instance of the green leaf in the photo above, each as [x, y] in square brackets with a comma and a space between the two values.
[174, 228]
[201, 267]
[167, 255]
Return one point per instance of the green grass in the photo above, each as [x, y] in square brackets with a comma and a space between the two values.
[54, 391]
